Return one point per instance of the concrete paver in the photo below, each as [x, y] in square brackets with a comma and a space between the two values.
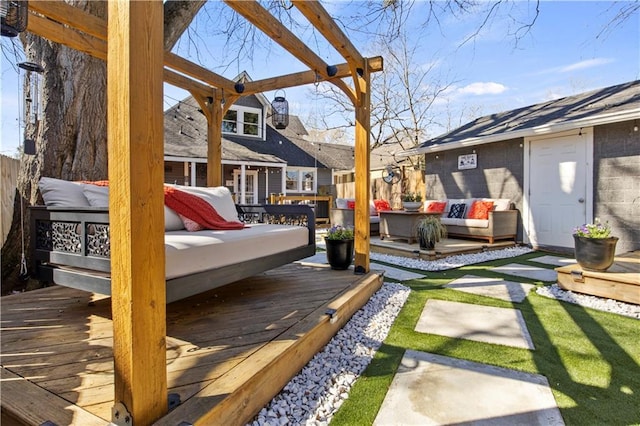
[492, 287]
[527, 271]
[431, 389]
[554, 260]
[502, 326]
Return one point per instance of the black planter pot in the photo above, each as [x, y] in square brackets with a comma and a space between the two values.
[339, 253]
[595, 254]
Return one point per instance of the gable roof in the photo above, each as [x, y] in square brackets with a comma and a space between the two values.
[185, 135]
[609, 105]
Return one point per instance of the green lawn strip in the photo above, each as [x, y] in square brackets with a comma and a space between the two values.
[590, 358]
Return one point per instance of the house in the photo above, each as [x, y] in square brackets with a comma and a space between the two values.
[563, 163]
[268, 160]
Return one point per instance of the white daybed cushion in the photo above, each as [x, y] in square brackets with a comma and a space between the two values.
[190, 252]
[98, 196]
[62, 193]
[218, 196]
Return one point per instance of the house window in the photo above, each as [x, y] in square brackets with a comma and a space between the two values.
[243, 121]
[292, 180]
[301, 180]
[251, 124]
[230, 122]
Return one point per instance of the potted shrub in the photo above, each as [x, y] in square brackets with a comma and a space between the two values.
[594, 246]
[411, 201]
[339, 244]
[429, 230]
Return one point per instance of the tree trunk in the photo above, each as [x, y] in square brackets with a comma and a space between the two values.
[71, 135]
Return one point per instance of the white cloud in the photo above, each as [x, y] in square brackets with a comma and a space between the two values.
[483, 88]
[589, 63]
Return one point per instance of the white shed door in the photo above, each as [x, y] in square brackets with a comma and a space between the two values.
[558, 188]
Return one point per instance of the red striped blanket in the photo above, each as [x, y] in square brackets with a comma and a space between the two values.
[195, 208]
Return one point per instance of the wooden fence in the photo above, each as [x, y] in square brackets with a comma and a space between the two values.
[412, 181]
[9, 168]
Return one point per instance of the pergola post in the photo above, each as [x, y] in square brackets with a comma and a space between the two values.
[362, 175]
[214, 141]
[136, 174]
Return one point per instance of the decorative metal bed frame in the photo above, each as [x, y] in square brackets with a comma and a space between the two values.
[70, 247]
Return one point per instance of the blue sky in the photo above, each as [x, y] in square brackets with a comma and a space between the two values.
[565, 53]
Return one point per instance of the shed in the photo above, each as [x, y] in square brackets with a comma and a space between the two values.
[563, 163]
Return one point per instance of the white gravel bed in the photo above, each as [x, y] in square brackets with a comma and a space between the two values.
[602, 304]
[450, 262]
[314, 395]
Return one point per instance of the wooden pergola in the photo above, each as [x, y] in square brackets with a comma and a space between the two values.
[137, 66]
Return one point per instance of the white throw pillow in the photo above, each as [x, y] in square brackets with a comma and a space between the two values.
[62, 193]
[218, 196]
[341, 203]
[98, 196]
[172, 221]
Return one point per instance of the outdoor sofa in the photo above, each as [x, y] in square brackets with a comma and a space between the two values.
[70, 240]
[477, 218]
[343, 213]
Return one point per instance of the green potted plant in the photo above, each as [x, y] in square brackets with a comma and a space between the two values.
[594, 246]
[339, 245]
[429, 230]
[411, 201]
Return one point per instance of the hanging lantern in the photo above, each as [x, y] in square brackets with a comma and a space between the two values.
[31, 97]
[13, 16]
[280, 114]
[32, 91]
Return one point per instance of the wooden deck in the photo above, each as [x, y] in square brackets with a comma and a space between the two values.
[443, 248]
[620, 282]
[229, 351]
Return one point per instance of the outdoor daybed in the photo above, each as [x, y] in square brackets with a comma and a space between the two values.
[70, 240]
[482, 218]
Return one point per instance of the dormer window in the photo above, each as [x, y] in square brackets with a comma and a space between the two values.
[243, 121]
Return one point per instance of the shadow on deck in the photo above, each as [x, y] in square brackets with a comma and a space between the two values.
[229, 351]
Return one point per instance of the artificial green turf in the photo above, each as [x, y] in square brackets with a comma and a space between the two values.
[590, 358]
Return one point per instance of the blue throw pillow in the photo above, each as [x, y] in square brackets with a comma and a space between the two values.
[457, 211]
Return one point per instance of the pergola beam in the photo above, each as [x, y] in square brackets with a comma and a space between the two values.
[303, 78]
[253, 12]
[319, 18]
[96, 28]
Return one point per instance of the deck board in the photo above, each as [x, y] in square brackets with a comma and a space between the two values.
[229, 350]
[620, 282]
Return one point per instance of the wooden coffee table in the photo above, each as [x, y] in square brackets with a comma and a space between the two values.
[401, 224]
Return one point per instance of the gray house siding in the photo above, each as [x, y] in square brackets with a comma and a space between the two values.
[499, 174]
[616, 175]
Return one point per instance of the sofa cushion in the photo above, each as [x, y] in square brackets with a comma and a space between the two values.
[457, 211]
[62, 193]
[436, 207]
[471, 223]
[341, 203]
[381, 205]
[480, 209]
[500, 204]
